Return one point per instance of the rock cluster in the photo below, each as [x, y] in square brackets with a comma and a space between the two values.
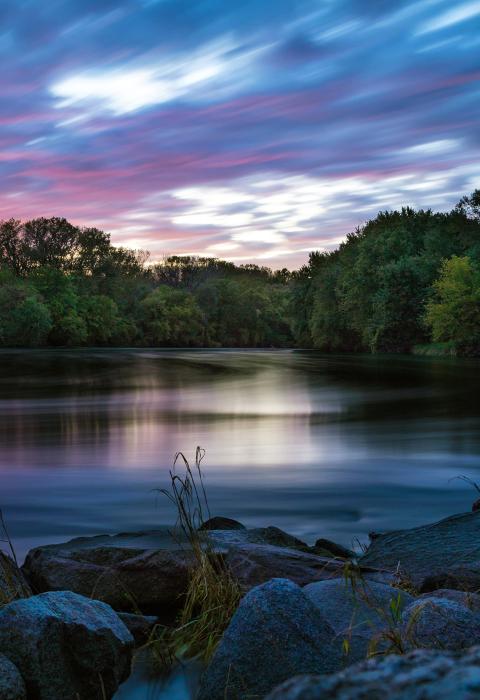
[308, 618]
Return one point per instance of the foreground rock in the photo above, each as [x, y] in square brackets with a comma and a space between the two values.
[276, 632]
[12, 686]
[419, 675]
[427, 554]
[150, 571]
[12, 582]
[66, 646]
[440, 623]
[253, 564]
[126, 578]
[360, 612]
[139, 626]
[467, 599]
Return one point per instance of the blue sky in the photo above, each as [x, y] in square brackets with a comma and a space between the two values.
[254, 131]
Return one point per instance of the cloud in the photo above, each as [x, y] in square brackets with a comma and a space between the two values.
[248, 130]
[452, 16]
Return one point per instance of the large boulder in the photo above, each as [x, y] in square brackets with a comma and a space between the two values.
[430, 551]
[359, 611]
[12, 686]
[439, 623]
[126, 578]
[276, 632]
[13, 584]
[66, 646]
[419, 675]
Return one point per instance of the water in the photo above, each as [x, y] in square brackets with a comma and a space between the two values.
[331, 446]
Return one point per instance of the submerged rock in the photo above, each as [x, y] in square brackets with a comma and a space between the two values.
[359, 611]
[12, 686]
[431, 550]
[66, 646]
[276, 632]
[13, 584]
[419, 675]
[440, 623]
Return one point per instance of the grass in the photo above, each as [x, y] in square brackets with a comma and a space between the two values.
[435, 349]
[12, 584]
[213, 594]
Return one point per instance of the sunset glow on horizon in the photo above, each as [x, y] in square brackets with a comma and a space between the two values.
[253, 131]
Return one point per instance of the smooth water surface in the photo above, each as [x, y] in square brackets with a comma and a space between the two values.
[331, 446]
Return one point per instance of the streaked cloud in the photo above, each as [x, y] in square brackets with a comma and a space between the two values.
[253, 131]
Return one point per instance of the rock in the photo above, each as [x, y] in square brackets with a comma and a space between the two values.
[275, 536]
[13, 584]
[66, 646]
[439, 623]
[253, 564]
[420, 675]
[139, 626]
[427, 551]
[476, 505]
[325, 547]
[150, 571]
[127, 579]
[12, 686]
[220, 523]
[462, 578]
[276, 632]
[358, 611]
[468, 600]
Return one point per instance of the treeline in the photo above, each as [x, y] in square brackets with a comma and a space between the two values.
[404, 279]
[65, 285]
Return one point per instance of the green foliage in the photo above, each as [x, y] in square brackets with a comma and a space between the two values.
[403, 280]
[454, 312]
[373, 293]
[170, 317]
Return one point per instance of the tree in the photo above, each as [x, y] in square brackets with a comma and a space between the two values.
[24, 318]
[454, 312]
[170, 317]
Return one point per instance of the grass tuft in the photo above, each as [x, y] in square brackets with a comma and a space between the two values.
[213, 594]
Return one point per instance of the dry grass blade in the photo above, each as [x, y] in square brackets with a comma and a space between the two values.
[213, 594]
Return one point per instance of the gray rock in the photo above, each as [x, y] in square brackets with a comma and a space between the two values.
[221, 523]
[276, 632]
[359, 611]
[325, 547]
[253, 564]
[127, 579]
[13, 584]
[439, 623]
[465, 577]
[469, 600]
[430, 550]
[66, 646]
[419, 675]
[150, 571]
[139, 626]
[12, 686]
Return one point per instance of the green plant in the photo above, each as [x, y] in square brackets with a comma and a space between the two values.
[213, 594]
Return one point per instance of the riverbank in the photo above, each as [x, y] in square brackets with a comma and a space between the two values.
[317, 609]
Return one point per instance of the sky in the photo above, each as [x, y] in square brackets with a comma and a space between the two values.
[252, 130]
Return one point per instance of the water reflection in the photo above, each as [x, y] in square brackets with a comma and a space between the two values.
[332, 446]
